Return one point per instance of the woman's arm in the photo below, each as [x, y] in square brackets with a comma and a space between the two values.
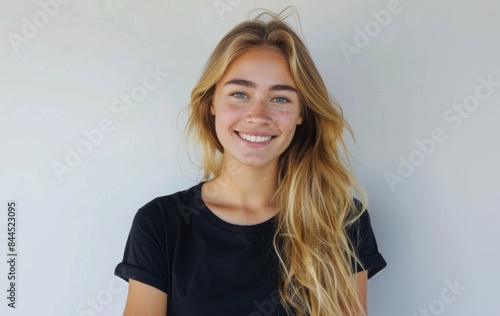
[361, 282]
[145, 300]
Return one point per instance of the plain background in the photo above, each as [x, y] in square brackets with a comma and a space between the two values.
[436, 226]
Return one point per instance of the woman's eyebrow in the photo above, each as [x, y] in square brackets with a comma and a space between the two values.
[251, 84]
[241, 82]
[280, 87]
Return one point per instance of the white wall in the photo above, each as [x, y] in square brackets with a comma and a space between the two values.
[436, 224]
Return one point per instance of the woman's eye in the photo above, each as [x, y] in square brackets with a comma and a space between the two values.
[281, 100]
[239, 95]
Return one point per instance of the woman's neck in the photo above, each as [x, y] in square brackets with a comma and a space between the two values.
[244, 187]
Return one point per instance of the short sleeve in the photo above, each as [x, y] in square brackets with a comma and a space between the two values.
[145, 256]
[363, 239]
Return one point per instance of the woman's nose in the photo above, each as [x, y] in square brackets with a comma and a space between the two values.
[258, 112]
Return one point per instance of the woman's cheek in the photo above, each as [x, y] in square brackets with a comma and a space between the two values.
[287, 116]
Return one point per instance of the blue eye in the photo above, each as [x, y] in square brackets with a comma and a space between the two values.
[239, 95]
[281, 100]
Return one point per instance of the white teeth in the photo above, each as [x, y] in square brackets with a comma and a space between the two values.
[254, 139]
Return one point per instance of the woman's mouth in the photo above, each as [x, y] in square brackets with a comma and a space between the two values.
[254, 138]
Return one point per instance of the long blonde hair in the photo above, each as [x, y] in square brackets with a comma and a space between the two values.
[315, 185]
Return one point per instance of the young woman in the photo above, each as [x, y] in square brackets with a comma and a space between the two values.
[274, 228]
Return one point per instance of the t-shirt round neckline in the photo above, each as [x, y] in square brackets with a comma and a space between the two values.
[229, 226]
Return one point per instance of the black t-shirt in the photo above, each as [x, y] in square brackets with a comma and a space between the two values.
[209, 267]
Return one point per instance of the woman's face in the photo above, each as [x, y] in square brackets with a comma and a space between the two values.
[256, 107]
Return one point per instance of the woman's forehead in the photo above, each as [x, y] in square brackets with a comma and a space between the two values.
[259, 66]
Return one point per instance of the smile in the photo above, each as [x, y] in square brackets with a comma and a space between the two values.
[255, 139]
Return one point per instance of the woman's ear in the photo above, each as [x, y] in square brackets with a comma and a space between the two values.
[300, 120]
[212, 108]
[301, 115]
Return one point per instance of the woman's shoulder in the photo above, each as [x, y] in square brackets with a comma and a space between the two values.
[175, 207]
